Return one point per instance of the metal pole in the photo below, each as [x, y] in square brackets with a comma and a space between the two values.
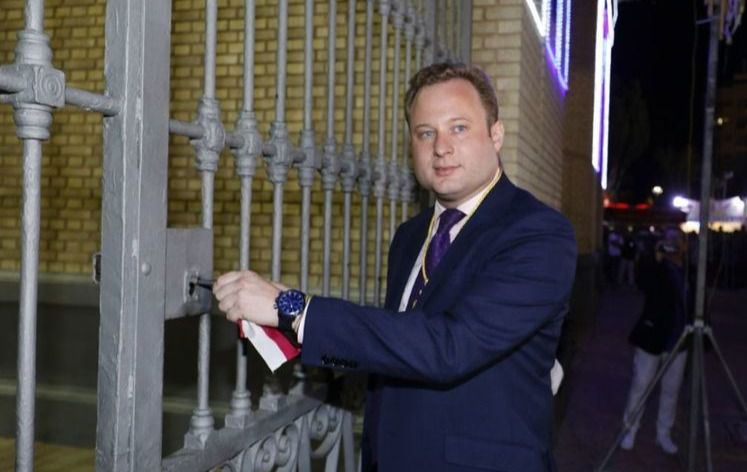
[33, 121]
[430, 32]
[705, 200]
[380, 170]
[705, 179]
[405, 173]
[279, 161]
[364, 177]
[419, 41]
[25, 398]
[330, 161]
[133, 244]
[307, 168]
[393, 180]
[349, 168]
[246, 164]
[208, 151]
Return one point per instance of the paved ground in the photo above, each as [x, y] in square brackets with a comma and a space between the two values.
[597, 391]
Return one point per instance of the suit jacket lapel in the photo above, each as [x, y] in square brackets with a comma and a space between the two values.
[490, 212]
[405, 255]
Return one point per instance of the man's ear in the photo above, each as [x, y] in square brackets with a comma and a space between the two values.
[496, 135]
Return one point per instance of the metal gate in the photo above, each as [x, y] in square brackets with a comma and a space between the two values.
[145, 267]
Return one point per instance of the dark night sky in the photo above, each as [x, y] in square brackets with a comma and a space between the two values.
[654, 45]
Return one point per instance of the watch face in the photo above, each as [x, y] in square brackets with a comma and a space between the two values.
[291, 302]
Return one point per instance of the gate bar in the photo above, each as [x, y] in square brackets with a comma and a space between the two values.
[208, 150]
[133, 247]
[406, 182]
[380, 169]
[92, 101]
[393, 180]
[33, 120]
[364, 163]
[307, 142]
[349, 168]
[246, 164]
[330, 161]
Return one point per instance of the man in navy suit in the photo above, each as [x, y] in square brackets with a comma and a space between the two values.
[477, 288]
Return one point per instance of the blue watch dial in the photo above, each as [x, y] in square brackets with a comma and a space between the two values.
[290, 302]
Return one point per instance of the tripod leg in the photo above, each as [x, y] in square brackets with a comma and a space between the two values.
[694, 404]
[704, 399]
[642, 401]
[729, 375]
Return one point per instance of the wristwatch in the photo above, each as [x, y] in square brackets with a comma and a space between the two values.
[289, 304]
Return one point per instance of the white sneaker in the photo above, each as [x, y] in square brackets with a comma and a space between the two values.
[666, 444]
[628, 441]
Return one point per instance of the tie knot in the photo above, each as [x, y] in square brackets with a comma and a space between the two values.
[448, 219]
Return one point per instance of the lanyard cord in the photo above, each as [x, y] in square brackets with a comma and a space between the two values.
[433, 221]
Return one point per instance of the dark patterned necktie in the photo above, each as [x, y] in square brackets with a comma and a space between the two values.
[437, 247]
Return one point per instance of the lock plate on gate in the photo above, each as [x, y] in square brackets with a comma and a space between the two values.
[189, 256]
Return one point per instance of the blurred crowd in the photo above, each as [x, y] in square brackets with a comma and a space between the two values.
[627, 248]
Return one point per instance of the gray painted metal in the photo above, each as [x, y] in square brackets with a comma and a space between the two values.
[279, 161]
[330, 160]
[348, 164]
[465, 30]
[420, 40]
[393, 179]
[380, 168]
[277, 164]
[207, 149]
[431, 32]
[364, 163]
[10, 81]
[246, 164]
[92, 101]
[405, 179]
[26, 382]
[189, 255]
[39, 88]
[134, 237]
[227, 443]
[307, 142]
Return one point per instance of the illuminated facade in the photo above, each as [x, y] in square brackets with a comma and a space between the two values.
[552, 18]
[606, 17]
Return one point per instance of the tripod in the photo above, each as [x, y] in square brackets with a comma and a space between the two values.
[697, 330]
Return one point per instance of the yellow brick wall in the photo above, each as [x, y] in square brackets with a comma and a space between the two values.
[506, 43]
[71, 187]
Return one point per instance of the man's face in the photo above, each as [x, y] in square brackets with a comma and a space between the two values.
[454, 153]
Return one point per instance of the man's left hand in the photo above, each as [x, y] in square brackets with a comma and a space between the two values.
[245, 295]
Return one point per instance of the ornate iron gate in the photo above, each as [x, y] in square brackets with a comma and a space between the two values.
[145, 267]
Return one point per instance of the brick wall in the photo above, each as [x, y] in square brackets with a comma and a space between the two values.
[548, 131]
[71, 187]
[505, 42]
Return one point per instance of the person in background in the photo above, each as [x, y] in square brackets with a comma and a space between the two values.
[667, 304]
[614, 250]
[477, 289]
[628, 252]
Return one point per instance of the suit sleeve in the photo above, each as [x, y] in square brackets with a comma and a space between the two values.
[522, 284]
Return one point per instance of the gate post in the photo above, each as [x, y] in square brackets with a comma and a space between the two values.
[130, 377]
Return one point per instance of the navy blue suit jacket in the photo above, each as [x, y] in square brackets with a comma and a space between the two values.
[463, 381]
